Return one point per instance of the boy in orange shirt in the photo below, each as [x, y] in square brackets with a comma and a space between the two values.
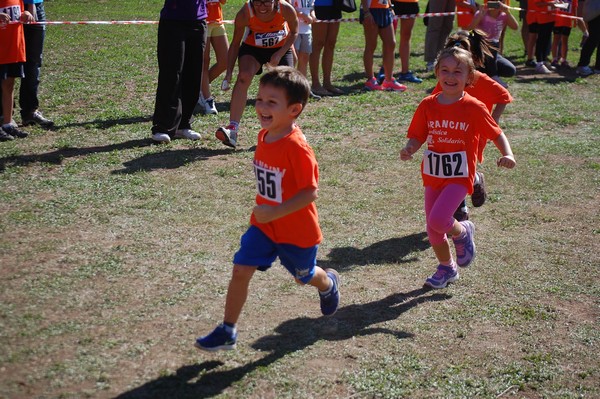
[284, 222]
[12, 58]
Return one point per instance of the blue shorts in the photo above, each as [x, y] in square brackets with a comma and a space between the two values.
[258, 250]
[383, 17]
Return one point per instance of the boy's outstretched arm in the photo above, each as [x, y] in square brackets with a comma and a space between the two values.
[267, 213]
[507, 160]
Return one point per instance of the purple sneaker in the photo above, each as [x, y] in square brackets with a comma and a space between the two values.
[330, 301]
[219, 339]
[465, 247]
[442, 276]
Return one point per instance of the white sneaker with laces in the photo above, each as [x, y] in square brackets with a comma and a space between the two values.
[228, 135]
[541, 68]
[187, 134]
[161, 137]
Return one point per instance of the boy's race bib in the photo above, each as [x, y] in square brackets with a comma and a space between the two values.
[268, 183]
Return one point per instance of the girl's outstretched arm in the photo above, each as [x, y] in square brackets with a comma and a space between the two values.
[507, 160]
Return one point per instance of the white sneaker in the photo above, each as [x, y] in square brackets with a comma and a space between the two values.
[187, 134]
[585, 70]
[161, 137]
[200, 105]
[228, 135]
[209, 107]
[541, 68]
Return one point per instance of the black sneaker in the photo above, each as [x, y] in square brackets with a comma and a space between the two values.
[461, 214]
[5, 136]
[530, 63]
[14, 131]
[479, 195]
[36, 118]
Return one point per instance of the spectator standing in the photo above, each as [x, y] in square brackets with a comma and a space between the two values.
[591, 15]
[35, 35]
[438, 29]
[180, 52]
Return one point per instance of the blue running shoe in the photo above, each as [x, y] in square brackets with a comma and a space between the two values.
[409, 77]
[219, 339]
[465, 247]
[442, 276]
[331, 300]
[381, 75]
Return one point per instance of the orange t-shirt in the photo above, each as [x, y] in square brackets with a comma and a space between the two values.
[571, 10]
[489, 92]
[215, 12]
[452, 133]
[464, 20]
[540, 14]
[282, 169]
[11, 35]
[270, 34]
[378, 3]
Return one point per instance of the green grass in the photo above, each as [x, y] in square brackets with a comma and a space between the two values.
[115, 253]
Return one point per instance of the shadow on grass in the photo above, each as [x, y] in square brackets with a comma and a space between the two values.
[205, 380]
[56, 157]
[169, 159]
[393, 250]
[106, 123]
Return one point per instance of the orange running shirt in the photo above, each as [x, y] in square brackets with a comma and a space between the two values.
[378, 3]
[11, 35]
[452, 133]
[215, 12]
[489, 92]
[539, 11]
[270, 34]
[282, 169]
[571, 10]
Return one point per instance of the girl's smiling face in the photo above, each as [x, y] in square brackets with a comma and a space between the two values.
[453, 76]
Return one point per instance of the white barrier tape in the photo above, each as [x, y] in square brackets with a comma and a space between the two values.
[409, 16]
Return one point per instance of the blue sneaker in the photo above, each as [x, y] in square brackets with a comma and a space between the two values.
[409, 77]
[465, 247]
[219, 339]
[331, 300]
[381, 75]
[442, 276]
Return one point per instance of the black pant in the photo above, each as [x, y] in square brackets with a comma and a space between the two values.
[591, 43]
[34, 47]
[180, 52]
[543, 41]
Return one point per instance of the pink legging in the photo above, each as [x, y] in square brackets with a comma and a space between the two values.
[440, 205]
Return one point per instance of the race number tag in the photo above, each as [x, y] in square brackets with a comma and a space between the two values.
[268, 183]
[446, 165]
[269, 39]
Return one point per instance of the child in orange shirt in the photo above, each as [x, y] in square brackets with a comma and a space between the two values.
[284, 222]
[12, 58]
[562, 31]
[452, 123]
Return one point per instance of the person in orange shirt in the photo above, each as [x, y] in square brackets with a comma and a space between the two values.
[217, 39]
[540, 19]
[376, 17]
[284, 222]
[264, 33]
[452, 123]
[468, 9]
[12, 58]
[562, 31]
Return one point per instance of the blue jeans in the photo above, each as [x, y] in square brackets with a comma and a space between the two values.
[34, 46]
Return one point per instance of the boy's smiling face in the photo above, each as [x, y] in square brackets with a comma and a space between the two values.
[273, 110]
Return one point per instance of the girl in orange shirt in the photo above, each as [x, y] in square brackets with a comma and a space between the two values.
[452, 123]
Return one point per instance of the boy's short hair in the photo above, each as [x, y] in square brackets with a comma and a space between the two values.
[296, 86]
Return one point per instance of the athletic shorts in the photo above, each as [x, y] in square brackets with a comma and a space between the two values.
[324, 13]
[11, 71]
[403, 8]
[215, 29]
[263, 55]
[258, 250]
[303, 43]
[561, 30]
[383, 17]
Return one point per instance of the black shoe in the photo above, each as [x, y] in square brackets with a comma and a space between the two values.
[530, 63]
[36, 118]
[461, 214]
[479, 194]
[5, 136]
[14, 131]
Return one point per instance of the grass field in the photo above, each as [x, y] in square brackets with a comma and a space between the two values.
[115, 252]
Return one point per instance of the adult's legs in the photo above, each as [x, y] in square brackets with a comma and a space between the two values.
[247, 67]
[195, 43]
[34, 46]
[406, 27]
[328, 52]
[592, 43]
